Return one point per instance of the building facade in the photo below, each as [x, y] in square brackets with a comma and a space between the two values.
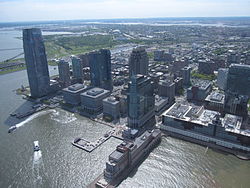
[167, 89]
[71, 94]
[141, 102]
[222, 78]
[92, 101]
[194, 123]
[64, 73]
[36, 62]
[185, 73]
[199, 91]
[238, 80]
[100, 68]
[77, 69]
[206, 66]
[111, 108]
[138, 62]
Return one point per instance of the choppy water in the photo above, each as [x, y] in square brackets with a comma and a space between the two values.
[174, 163]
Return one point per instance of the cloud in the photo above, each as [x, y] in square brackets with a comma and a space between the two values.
[31, 10]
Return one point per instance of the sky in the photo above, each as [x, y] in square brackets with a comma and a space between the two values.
[43, 10]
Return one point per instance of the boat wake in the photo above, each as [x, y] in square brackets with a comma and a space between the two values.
[37, 169]
[33, 117]
[37, 157]
[63, 117]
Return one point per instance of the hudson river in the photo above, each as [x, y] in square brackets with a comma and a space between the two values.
[174, 163]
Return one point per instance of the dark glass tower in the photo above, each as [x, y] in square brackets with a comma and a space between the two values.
[64, 73]
[36, 62]
[138, 62]
[238, 79]
[100, 68]
[141, 102]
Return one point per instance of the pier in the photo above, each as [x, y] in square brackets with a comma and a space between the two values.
[90, 146]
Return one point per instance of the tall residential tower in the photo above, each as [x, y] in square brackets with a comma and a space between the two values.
[100, 68]
[64, 73]
[77, 69]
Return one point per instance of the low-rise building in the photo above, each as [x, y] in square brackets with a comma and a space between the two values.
[199, 91]
[71, 94]
[196, 124]
[111, 108]
[161, 104]
[167, 89]
[215, 101]
[91, 101]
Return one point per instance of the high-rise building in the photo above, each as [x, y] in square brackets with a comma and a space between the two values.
[36, 62]
[236, 104]
[206, 66]
[178, 85]
[138, 62]
[100, 69]
[233, 57]
[141, 102]
[64, 73]
[238, 80]
[222, 78]
[77, 69]
[185, 73]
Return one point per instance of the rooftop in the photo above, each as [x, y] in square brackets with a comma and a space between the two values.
[216, 97]
[199, 115]
[233, 123]
[202, 84]
[75, 88]
[111, 100]
[95, 92]
[191, 113]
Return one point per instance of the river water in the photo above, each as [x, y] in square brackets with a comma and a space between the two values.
[11, 43]
[174, 163]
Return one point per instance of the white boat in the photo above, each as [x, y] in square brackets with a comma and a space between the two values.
[11, 129]
[36, 146]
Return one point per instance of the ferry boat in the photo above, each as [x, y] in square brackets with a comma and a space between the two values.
[36, 146]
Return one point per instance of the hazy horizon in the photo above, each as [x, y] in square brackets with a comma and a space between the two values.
[56, 10]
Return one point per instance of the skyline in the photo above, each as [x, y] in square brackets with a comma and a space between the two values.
[31, 10]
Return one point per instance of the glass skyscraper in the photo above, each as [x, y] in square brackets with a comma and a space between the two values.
[36, 62]
[100, 68]
[141, 101]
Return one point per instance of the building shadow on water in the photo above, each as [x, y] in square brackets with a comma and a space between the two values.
[22, 109]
